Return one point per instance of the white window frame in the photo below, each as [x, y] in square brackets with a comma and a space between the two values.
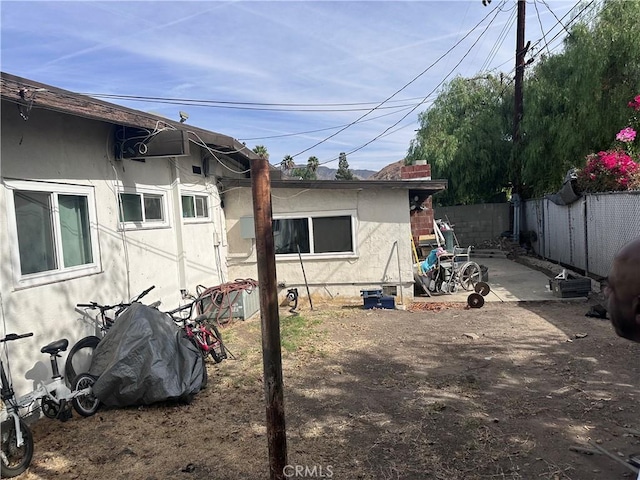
[202, 195]
[61, 273]
[145, 224]
[309, 216]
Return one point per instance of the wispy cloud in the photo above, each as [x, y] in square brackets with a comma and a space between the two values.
[299, 52]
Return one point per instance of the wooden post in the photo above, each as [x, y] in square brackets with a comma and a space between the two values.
[270, 321]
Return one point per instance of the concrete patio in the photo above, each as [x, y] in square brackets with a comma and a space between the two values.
[510, 281]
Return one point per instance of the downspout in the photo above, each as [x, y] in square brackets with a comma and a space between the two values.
[399, 272]
[177, 215]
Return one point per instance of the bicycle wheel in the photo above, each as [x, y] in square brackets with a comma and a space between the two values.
[215, 344]
[85, 405]
[15, 460]
[469, 275]
[79, 357]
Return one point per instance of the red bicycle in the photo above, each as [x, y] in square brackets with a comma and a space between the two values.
[202, 334]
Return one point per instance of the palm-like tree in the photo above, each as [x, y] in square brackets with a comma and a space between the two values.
[313, 163]
[287, 164]
[261, 151]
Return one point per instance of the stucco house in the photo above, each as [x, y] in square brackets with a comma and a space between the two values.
[99, 202]
[343, 236]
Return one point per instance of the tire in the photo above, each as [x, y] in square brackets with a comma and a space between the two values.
[79, 358]
[470, 274]
[17, 459]
[85, 405]
[215, 343]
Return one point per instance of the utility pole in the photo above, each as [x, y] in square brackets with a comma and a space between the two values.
[270, 321]
[516, 179]
[521, 51]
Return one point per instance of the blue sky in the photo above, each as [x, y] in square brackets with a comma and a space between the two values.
[270, 60]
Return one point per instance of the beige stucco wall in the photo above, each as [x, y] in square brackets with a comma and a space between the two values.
[59, 148]
[382, 220]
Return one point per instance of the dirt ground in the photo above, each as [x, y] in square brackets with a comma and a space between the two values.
[501, 392]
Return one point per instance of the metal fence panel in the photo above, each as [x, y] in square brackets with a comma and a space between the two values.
[533, 222]
[558, 232]
[577, 229]
[613, 220]
[588, 233]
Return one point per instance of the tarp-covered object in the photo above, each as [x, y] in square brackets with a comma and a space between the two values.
[145, 358]
[567, 193]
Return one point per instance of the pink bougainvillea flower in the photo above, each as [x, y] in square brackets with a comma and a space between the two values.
[635, 104]
[626, 135]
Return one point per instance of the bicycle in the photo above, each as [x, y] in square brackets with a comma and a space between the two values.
[54, 397]
[80, 354]
[202, 334]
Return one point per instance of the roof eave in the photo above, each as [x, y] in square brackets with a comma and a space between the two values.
[428, 186]
[39, 95]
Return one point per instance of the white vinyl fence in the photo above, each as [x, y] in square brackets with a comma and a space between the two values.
[586, 234]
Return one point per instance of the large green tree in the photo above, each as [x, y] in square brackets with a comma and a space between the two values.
[576, 101]
[466, 138]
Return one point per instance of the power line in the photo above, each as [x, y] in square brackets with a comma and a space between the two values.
[555, 16]
[544, 36]
[572, 21]
[389, 128]
[317, 130]
[205, 104]
[403, 87]
[430, 93]
[499, 41]
[220, 103]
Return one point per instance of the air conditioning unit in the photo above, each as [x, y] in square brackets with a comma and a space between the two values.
[240, 304]
[139, 143]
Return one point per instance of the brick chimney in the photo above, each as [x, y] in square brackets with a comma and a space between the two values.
[421, 219]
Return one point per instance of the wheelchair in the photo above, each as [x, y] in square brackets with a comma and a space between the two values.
[449, 272]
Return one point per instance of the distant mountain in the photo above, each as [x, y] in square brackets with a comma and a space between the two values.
[390, 172]
[326, 173]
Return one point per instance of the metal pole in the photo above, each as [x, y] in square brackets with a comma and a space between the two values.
[271, 354]
[305, 277]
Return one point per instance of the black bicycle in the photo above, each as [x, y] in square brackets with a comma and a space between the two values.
[79, 357]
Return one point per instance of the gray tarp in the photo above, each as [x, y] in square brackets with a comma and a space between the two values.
[567, 193]
[145, 358]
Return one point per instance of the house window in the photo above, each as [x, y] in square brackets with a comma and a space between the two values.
[54, 231]
[143, 209]
[318, 235]
[195, 206]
